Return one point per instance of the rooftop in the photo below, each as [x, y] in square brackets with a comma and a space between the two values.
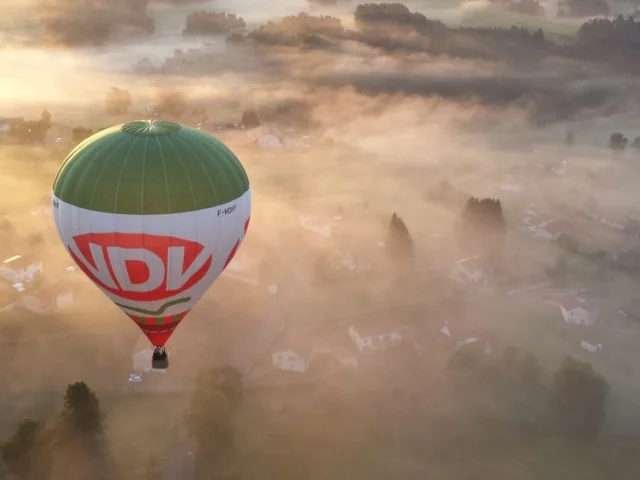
[19, 261]
[574, 302]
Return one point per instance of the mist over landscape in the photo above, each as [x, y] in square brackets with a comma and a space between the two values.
[441, 274]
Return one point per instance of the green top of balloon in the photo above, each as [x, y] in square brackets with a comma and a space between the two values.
[150, 167]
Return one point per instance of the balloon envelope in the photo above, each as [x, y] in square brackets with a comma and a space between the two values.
[152, 212]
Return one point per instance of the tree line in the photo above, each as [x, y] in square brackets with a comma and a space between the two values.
[576, 396]
[377, 24]
[74, 445]
[117, 103]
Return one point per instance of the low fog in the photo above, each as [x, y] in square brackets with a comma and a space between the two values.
[440, 277]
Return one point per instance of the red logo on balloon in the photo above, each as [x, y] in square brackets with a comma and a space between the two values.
[139, 266]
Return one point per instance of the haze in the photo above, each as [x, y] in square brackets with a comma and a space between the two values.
[433, 346]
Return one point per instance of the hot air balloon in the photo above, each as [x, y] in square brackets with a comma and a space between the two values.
[152, 212]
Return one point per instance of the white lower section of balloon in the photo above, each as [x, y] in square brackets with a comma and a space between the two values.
[110, 248]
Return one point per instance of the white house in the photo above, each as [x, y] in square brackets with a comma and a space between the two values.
[345, 260]
[240, 268]
[376, 341]
[313, 224]
[469, 271]
[510, 187]
[295, 143]
[548, 230]
[52, 297]
[617, 223]
[20, 269]
[445, 330]
[292, 361]
[6, 124]
[590, 347]
[269, 140]
[578, 311]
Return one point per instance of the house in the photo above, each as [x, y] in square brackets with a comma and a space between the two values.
[372, 338]
[44, 207]
[20, 269]
[6, 124]
[617, 223]
[294, 351]
[9, 295]
[269, 140]
[52, 297]
[240, 268]
[337, 344]
[560, 168]
[313, 224]
[531, 212]
[445, 330]
[266, 136]
[590, 347]
[548, 230]
[292, 361]
[295, 143]
[470, 270]
[528, 288]
[346, 261]
[578, 311]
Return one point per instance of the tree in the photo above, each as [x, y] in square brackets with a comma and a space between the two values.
[81, 413]
[117, 101]
[199, 116]
[153, 468]
[209, 420]
[568, 138]
[250, 119]
[529, 369]
[579, 396]
[636, 143]
[80, 451]
[618, 142]
[482, 227]
[297, 29]
[29, 131]
[393, 14]
[45, 119]
[509, 359]
[236, 38]
[171, 104]
[79, 134]
[27, 452]
[464, 359]
[227, 380]
[399, 241]
[212, 23]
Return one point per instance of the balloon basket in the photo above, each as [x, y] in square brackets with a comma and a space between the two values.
[160, 359]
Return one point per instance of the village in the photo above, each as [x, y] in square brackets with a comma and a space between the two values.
[582, 317]
[563, 307]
